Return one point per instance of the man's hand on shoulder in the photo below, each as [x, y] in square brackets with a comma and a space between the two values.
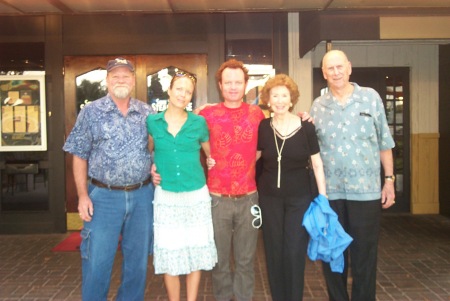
[197, 110]
[305, 116]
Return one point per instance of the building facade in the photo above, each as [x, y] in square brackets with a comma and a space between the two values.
[68, 47]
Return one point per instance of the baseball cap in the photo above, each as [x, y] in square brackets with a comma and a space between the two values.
[119, 62]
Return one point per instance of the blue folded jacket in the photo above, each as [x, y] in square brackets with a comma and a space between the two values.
[328, 240]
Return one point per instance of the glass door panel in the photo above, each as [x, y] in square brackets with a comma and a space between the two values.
[394, 111]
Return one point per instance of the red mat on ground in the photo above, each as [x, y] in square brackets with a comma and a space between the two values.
[70, 244]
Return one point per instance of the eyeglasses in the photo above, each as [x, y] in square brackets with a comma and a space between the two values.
[255, 210]
[188, 75]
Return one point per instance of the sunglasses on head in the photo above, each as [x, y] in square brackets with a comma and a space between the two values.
[186, 74]
[255, 210]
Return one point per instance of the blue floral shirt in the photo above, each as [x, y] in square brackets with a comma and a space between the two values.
[115, 146]
[351, 138]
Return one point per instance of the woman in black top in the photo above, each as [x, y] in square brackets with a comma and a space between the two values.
[285, 145]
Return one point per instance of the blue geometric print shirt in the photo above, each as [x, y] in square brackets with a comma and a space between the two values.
[115, 146]
[351, 138]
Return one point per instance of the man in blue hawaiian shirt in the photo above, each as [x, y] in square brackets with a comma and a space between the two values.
[111, 165]
[354, 138]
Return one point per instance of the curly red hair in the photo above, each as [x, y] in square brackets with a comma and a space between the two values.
[232, 64]
[280, 80]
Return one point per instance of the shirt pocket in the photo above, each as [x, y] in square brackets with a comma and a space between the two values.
[365, 126]
[190, 141]
[159, 140]
[85, 243]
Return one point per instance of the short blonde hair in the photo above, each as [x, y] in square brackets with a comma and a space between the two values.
[280, 80]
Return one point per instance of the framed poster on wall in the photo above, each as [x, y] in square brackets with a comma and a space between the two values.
[23, 120]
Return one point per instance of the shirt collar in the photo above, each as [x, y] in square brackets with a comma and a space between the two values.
[330, 100]
[109, 103]
[160, 116]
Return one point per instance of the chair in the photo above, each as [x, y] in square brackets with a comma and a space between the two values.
[12, 170]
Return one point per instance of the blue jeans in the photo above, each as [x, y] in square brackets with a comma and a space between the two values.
[117, 213]
[233, 228]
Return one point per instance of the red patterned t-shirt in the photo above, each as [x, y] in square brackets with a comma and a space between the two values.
[233, 136]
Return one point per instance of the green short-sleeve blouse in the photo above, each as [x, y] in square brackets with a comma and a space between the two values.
[177, 158]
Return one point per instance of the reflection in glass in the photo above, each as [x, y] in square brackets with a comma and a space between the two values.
[157, 86]
[391, 129]
[398, 146]
[399, 90]
[399, 184]
[399, 111]
[250, 51]
[390, 111]
[90, 86]
[399, 117]
[24, 181]
[259, 75]
[399, 165]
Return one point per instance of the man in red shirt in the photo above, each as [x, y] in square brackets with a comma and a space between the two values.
[233, 126]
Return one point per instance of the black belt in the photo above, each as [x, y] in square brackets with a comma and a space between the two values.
[125, 188]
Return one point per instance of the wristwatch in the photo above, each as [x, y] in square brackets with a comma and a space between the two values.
[390, 178]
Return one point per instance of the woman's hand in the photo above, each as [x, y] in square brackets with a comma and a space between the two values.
[210, 162]
[156, 177]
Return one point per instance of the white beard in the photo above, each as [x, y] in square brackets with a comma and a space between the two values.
[121, 92]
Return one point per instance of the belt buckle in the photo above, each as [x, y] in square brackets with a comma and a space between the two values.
[129, 187]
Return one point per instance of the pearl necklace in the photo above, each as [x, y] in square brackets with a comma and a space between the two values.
[279, 151]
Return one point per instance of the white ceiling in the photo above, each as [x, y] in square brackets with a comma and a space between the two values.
[27, 7]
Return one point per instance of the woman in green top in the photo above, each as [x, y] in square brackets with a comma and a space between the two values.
[184, 238]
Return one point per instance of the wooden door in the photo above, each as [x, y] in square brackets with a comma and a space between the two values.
[146, 66]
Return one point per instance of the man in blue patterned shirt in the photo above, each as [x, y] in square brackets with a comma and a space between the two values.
[354, 137]
[111, 165]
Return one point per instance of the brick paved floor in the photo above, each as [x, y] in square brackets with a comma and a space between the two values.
[414, 264]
